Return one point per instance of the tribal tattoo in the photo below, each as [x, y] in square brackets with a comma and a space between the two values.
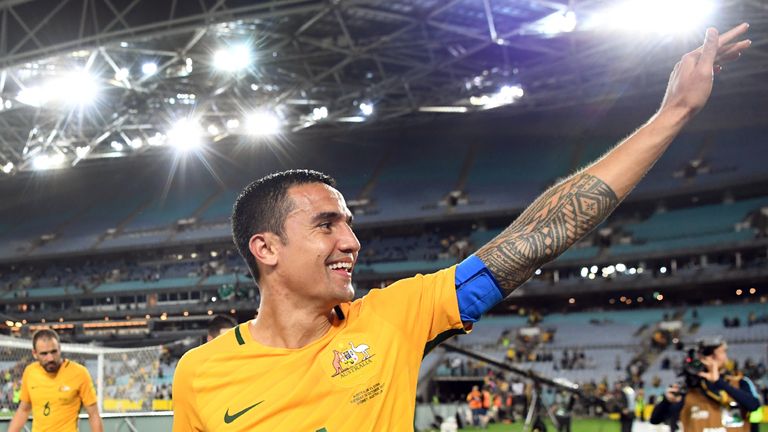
[549, 226]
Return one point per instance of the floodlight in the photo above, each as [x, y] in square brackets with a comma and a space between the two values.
[351, 119]
[77, 88]
[33, 96]
[233, 124]
[117, 146]
[8, 167]
[444, 109]
[121, 74]
[621, 267]
[46, 161]
[149, 68]
[233, 58]
[262, 123]
[319, 113]
[185, 135]
[81, 152]
[656, 16]
[136, 143]
[556, 23]
[213, 129]
[366, 108]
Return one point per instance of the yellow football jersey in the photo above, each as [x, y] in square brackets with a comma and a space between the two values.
[56, 398]
[359, 376]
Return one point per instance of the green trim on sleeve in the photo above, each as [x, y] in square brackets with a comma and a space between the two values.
[239, 336]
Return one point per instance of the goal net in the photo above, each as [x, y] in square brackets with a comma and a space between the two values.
[125, 379]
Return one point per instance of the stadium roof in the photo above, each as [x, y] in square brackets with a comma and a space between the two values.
[89, 79]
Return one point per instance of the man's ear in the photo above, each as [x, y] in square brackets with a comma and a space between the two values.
[263, 247]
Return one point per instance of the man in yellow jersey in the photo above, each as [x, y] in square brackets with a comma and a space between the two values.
[314, 360]
[54, 389]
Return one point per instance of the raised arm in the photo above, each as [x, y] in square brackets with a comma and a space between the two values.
[569, 210]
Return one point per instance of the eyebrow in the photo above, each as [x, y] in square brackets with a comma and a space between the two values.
[331, 216]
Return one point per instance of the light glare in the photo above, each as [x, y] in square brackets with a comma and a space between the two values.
[556, 23]
[262, 123]
[366, 108]
[185, 135]
[45, 161]
[232, 59]
[656, 16]
[149, 68]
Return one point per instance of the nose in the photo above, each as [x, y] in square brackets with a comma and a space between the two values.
[348, 242]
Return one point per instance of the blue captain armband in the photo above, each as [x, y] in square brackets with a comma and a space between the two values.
[476, 289]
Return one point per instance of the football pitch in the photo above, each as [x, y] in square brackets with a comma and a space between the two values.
[579, 425]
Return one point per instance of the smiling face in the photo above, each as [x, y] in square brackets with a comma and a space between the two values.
[48, 353]
[318, 251]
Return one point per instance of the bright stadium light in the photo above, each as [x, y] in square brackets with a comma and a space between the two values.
[76, 88]
[33, 96]
[149, 68]
[45, 161]
[366, 108]
[319, 113]
[186, 134]
[136, 143]
[82, 152]
[655, 16]
[117, 146]
[556, 23]
[232, 59]
[8, 167]
[262, 123]
[351, 119]
[213, 129]
[233, 124]
[121, 74]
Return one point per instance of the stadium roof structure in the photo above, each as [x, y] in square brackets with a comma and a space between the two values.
[90, 79]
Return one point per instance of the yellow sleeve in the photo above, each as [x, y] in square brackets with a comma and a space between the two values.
[87, 392]
[25, 386]
[185, 418]
[425, 305]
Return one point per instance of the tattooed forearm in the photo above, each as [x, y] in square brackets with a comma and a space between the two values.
[549, 226]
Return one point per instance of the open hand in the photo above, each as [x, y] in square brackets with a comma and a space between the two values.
[690, 84]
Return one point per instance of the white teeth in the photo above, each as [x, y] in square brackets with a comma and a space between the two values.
[340, 265]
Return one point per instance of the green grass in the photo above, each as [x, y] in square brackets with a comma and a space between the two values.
[578, 425]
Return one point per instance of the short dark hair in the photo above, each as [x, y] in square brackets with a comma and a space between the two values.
[263, 206]
[44, 334]
[219, 323]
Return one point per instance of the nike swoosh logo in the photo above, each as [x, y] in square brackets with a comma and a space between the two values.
[230, 418]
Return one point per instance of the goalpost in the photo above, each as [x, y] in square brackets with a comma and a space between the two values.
[125, 379]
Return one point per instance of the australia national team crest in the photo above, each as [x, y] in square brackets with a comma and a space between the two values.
[351, 358]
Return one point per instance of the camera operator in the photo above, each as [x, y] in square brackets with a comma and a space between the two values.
[712, 402]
